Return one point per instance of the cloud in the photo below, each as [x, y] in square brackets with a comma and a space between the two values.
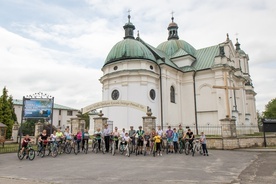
[68, 41]
[30, 68]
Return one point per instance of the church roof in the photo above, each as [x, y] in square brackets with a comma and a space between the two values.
[205, 57]
[170, 47]
[129, 49]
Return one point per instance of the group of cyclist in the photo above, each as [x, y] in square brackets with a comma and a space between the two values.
[138, 138]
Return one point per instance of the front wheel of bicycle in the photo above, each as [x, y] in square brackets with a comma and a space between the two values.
[187, 150]
[113, 149]
[31, 154]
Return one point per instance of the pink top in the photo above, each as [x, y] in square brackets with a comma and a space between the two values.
[79, 135]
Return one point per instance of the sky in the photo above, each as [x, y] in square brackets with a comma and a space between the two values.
[58, 47]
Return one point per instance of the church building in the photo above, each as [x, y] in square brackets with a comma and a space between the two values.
[179, 83]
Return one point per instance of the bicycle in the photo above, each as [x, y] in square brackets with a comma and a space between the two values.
[54, 148]
[124, 147]
[67, 146]
[197, 147]
[95, 145]
[154, 149]
[188, 147]
[85, 146]
[29, 151]
[181, 146]
[113, 144]
[42, 149]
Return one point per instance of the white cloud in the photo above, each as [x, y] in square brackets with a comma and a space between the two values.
[66, 41]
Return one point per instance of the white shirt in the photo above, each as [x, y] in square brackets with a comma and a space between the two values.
[160, 132]
[126, 138]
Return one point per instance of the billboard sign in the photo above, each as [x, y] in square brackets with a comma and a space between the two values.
[37, 108]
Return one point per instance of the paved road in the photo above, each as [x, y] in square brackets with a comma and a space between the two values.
[223, 167]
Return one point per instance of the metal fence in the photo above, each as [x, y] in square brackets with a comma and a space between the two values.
[246, 130]
[212, 130]
[208, 130]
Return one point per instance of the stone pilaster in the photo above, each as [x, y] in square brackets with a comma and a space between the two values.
[75, 125]
[149, 122]
[100, 121]
[228, 128]
[15, 130]
[38, 129]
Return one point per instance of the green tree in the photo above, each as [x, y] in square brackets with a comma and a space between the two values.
[7, 114]
[85, 117]
[270, 109]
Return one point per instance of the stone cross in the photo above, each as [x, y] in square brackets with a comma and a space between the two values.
[226, 88]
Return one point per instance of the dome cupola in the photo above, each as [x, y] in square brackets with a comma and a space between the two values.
[172, 28]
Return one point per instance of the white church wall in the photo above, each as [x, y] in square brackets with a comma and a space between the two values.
[187, 104]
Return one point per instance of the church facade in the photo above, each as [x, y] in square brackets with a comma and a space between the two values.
[179, 83]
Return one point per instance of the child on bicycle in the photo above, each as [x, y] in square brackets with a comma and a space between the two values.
[25, 143]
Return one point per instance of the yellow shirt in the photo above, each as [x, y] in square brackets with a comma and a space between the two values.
[59, 134]
[157, 139]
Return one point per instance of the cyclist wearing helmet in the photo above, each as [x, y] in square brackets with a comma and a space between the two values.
[140, 134]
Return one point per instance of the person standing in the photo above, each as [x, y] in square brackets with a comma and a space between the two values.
[132, 134]
[169, 136]
[140, 140]
[175, 140]
[116, 136]
[203, 143]
[106, 134]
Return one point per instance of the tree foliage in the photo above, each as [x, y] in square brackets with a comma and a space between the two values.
[7, 114]
[270, 109]
[85, 117]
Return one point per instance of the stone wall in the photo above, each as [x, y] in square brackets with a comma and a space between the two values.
[241, 142]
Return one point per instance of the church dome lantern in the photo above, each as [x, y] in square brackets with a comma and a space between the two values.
[129, 48]
[173, 44]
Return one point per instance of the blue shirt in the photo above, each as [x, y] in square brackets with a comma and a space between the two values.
[175, 137]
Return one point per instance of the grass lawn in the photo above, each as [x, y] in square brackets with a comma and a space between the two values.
[11, 148]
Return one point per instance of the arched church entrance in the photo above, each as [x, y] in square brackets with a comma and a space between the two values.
[99, 122]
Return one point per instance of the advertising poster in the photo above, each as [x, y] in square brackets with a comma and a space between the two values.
[38, 108]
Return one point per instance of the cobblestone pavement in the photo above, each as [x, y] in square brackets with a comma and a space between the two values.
[221, 167]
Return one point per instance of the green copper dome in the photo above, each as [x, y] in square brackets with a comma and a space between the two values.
[129, 49]
[170, 47]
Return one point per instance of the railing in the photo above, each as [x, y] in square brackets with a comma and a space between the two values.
[246, 129]
[208, 130]
[212, 130]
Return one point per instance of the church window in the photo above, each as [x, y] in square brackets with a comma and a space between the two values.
[115, 94]
[172, 94]
[151, 67]
[152, 94]
[115, 67]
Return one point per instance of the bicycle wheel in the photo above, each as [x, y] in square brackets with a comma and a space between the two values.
[113, 148]
[42, 152]
[200, 149]
[20, 155]
[127, 151]
[187, 150]
[68, 148]
[180, 147]
[167, 148]
[54, 151]
[31, 154]
[85, 148]
[75, 147]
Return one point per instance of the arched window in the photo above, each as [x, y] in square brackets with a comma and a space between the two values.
[172, 94]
